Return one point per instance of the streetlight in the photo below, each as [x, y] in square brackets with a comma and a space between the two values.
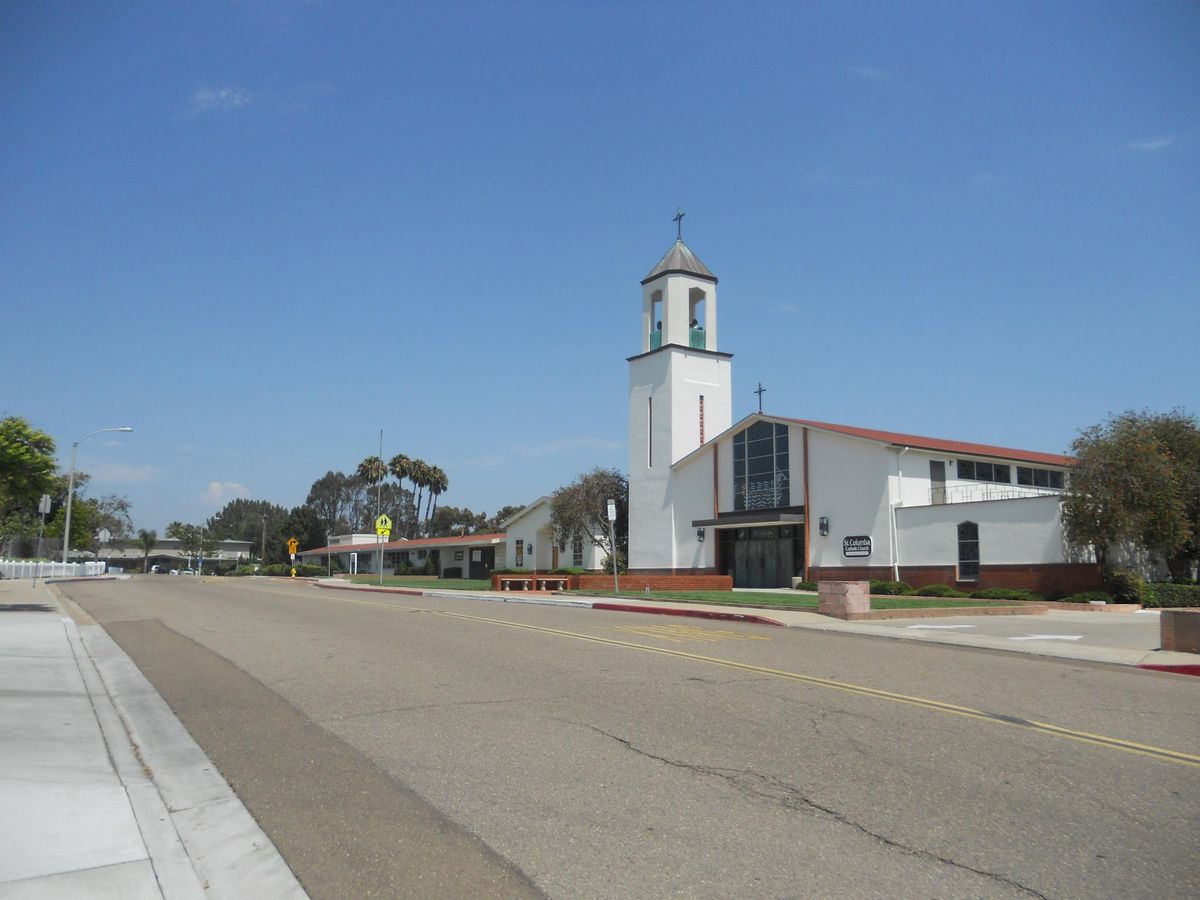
[71, 486]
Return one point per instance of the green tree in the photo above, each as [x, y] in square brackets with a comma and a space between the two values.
[147, 539]
[402, 468]
[305, 526]
[1135, 481]
[243, 519]
[373, 471]
[335, 498]
[495, 524]
[579, 511]
[438, 485]
[27, 466]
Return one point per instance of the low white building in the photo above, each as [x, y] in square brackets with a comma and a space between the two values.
[770, 499]
[529, 543]
[467, 556]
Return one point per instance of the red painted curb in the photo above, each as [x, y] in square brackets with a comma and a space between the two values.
[411, 592]
[1186, 669]
[694, 613]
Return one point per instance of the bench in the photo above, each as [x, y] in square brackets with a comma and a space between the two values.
[551, 583]
[523, 582]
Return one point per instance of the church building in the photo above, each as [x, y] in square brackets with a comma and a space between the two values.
[771, 499]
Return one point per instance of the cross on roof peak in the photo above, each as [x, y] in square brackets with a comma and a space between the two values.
[678, 220]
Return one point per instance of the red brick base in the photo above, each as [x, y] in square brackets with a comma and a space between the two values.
[635, 581]
[1049, 580]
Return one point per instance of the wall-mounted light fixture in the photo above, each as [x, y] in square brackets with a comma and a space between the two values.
[823, 525]
[700, 534]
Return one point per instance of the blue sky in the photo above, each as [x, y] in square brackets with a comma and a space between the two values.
[260, 232]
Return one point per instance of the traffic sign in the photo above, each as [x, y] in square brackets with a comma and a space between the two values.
[383, 525]
[292, 545]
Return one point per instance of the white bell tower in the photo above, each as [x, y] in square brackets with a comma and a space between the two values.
[679, 397]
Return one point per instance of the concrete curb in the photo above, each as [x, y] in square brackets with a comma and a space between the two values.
[690, 613]
[202, 840]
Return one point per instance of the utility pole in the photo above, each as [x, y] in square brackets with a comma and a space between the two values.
[263, 556]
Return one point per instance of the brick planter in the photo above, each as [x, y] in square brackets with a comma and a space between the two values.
[657, 582]
[1179, 630]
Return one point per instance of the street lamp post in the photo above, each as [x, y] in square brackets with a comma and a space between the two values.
[71, 487]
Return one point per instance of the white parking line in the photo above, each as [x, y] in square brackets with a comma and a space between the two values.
[1048, 637]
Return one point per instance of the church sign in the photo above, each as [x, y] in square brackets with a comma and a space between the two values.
[856, 546]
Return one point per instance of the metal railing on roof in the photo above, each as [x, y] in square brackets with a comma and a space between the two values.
[975, 493]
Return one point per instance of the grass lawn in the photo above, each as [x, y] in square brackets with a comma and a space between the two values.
[791, 601]
[431, 584]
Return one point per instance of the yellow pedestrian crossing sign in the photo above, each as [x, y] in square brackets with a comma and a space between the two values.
[292, 545]
[383, 526]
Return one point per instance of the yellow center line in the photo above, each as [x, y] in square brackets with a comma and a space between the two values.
[1084, 737]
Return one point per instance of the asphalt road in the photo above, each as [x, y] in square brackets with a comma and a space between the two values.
[405, 746]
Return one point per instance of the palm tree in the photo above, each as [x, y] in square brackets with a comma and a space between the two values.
[420, 473]
[146, 540]
[438, 484]
[401, 466]
[372, 470]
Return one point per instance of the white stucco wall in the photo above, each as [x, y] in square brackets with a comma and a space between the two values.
[660, 435]
[691, 497]
[1022, 531]
[849, 484]
[534, 528]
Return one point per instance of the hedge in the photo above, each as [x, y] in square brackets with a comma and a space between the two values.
[1171, 595]
[1005, 594]
[890, 588]
[935, 590]
[1088, 597]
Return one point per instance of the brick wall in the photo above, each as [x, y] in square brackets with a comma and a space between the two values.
[1051, 579]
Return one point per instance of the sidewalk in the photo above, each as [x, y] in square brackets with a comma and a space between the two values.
[1130, 644]
[102, 791]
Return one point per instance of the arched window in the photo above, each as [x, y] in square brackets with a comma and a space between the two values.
[968, 551]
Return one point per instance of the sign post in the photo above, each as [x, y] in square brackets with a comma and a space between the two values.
[383, 529]
[612, 531]
[104, 536]
[292, 546]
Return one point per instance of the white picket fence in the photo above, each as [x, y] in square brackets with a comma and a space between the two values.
[28, 568]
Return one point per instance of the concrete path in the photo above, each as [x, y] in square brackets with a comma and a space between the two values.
[102, 791]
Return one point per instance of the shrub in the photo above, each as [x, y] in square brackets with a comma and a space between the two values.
[890, 588]
[621, 567]
[1170, 595]
[306, 570]
[1125, 587]
[453, 572]
[430, 567]
[1005, 594]
[935, 590]
[805, 586]
[1087, 597]
[569, 570]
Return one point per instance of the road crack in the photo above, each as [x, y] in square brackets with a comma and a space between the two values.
[783, 793]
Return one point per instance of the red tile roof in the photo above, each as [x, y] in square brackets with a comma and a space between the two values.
[946, 446]
[470, 540]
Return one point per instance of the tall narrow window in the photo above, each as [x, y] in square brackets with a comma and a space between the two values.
[577, 552]
[649, 432]
[968, 551]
